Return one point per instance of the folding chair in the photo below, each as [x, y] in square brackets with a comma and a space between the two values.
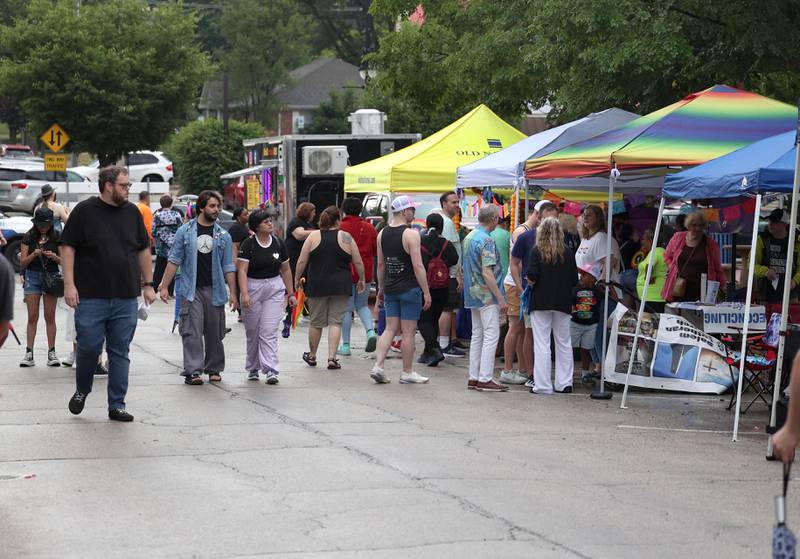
[759, 368]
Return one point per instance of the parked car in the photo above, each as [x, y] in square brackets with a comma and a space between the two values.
[143, 166]
[15, 150]
[14, 228]
[376, 207]
[21, 185]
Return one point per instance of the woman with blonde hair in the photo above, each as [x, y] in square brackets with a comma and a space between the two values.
[326, 257]
[552, 274]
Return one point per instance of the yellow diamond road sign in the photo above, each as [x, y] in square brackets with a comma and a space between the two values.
[55, 162]
[55, 138]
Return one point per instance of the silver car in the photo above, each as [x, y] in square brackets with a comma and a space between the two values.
[21, 185]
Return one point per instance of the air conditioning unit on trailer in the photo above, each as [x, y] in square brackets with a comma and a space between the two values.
[321, 161]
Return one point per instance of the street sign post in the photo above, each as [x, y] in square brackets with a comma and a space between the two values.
[55, 162]
[55, 138]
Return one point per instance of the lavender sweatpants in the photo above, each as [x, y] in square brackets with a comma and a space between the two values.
[261, 322]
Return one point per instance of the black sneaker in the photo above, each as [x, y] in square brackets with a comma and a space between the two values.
[453, 351]
[77, 402]
[567, 390]
[118, 414]
[458, 344]
[100, 369]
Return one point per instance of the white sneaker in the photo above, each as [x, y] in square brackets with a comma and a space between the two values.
[521, 379]
[69, 361]
[252, 375]
[379, 375]
[27, 361]
[272, 377]
[413, 378]
[512, 377]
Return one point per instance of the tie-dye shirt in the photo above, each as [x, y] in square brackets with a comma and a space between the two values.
[478, 253]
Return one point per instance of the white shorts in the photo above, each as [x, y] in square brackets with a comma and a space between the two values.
[582, 335]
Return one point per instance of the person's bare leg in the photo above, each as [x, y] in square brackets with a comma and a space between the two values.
[409, 329]
[314, 336]
[586, 361]
[32, 302]
[444, 323]
[50, 319]
[334, 333]
[385, 339]
[510, 343]
[526, 359]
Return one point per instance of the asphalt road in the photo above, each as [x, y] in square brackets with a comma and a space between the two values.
[327, 464]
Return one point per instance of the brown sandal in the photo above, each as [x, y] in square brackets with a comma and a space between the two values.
[310, 361]
[333, 364]
[214, 377]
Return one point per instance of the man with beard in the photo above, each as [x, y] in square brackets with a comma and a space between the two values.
[204, 252]
[105, 254]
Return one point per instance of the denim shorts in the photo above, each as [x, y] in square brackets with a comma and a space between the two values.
[407, 305]
[34, 282]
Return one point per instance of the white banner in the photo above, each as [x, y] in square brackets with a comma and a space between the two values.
[671, 355]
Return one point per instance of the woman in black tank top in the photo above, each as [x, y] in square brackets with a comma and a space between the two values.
[328, 283]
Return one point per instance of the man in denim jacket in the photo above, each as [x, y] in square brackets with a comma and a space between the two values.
[204, 252]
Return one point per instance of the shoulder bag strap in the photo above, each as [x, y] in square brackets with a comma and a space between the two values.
[444, 246]
[680, 272]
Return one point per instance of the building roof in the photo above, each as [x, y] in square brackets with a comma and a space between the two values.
[312, 84]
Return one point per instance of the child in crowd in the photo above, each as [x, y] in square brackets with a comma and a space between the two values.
[585, 317]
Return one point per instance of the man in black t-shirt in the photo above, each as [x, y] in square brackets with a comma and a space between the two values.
[203, 251]
[239, 231]
[105, 255]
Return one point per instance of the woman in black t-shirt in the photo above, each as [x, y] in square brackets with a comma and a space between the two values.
[265, 285]
[434, 245]
[39, 256]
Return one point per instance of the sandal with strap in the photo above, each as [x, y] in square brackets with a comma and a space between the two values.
[311, 362]
[194, 379]
[214, 377]
[333, 364]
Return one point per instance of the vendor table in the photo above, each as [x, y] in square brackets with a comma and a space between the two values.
[722, 318]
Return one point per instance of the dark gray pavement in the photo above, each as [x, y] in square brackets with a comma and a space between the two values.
[327, 464]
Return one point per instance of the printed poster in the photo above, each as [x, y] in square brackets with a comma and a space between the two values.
[671, 354]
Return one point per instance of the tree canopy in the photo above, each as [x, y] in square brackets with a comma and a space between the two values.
[118, 77]
[579, 55]
[202, 152]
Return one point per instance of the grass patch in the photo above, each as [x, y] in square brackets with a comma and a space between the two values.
[3, 132]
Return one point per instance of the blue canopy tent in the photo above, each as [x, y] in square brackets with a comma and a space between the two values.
[769, 165]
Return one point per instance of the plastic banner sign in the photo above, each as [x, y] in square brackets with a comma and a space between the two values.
[671, 354]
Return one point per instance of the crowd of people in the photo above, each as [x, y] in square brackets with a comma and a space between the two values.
[522, 292]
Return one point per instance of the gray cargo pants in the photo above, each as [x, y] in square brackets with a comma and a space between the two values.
[202, 328]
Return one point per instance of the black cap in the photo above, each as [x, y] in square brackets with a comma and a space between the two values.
[43, 216]
[47, 190]
[778, 216]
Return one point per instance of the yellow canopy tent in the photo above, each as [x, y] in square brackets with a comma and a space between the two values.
[430, 165]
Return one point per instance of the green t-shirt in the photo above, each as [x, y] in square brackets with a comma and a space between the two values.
[502, 240]
[658, 275]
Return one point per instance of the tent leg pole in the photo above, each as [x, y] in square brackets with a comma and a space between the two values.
[526, 200]
[746, 325]
[650, 263]
[776, 389]
[602, 394]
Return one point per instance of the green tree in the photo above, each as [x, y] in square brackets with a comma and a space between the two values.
[118, 77]
[331, 115]
[202, 152]
[580, 55]
[266, 41]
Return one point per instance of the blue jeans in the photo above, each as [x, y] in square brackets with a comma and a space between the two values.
[358, 302]
[112, 321]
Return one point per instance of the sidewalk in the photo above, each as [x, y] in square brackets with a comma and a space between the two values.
[328, 464]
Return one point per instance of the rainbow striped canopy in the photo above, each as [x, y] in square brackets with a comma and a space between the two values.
[696, 129]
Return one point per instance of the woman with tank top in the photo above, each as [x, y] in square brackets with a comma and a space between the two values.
[325, 259]
[60, 213]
